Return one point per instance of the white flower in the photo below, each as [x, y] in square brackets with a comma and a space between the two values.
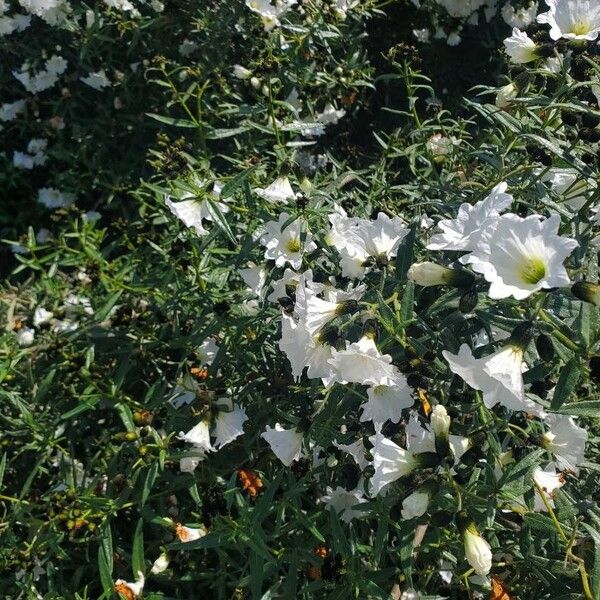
[422, 35]
[229, 423]
[284, 243]
[572, 19]
[343, 6]
[25, 336]
[464, 232]
[315, 312]
[189, 534]
[389, 461]
[415, 505]
[187, 47]
[188, 464]
[9, 25]
[506, 94]
[198, 436]
[418, 439]
[547, 480]
[477, 551]
[519, 17]
[361, 362]
[53, 198]
[440, 145]
[270, 12]
[357, 240]
[192, 212]
[421, 439]
[255, 277]
[185, 392]
[498, 376]
[461, 8]
[22, 160]
[566, 440]
[207, 351]
[43, 79]
[520, 256]
[75, 305]
[386, 402]
[160, 564]
[240, 72]
[97, 80]
[330, 115]
[9, 111]
[305, 350]
[278, 192]
[129, 590]
[356, 450]
[343, 501]
[41, 316]
[64, 325]
[123, 5]
[520, 47]
[286, 444]
[290, 279]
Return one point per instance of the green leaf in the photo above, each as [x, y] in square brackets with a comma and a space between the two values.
[185, 123]
[103, 313]
[149, 482]
[2, 469]
[407, 536]
[407, 302]
[105, 561]
[126, 416]
[339, 540]
[539, 522]
[568, 379]
[220, 220]
[590, 408]
[219, 134]
[233, 184]
[517, 479]
[596, 570]
[137, 552]
[405, 255]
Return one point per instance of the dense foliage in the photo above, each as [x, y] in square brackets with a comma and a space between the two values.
[301, 299]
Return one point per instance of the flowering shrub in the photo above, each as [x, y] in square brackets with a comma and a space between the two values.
[278, 323]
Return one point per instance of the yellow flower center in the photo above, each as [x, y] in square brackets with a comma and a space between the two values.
[533, 271]
[580, 28]
[293, 245]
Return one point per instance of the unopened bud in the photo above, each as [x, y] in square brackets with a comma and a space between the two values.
[587, 291]
[429, 274]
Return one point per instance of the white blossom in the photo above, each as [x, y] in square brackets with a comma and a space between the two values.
[286, 444]
[521, 255]
[572, 19]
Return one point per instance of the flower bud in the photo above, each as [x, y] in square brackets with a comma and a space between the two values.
[160, 564]
[506, 95]
[440, 423]
[544, 347]
[428, 274]
[477, 551]
[587, 291]
[240, 72]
